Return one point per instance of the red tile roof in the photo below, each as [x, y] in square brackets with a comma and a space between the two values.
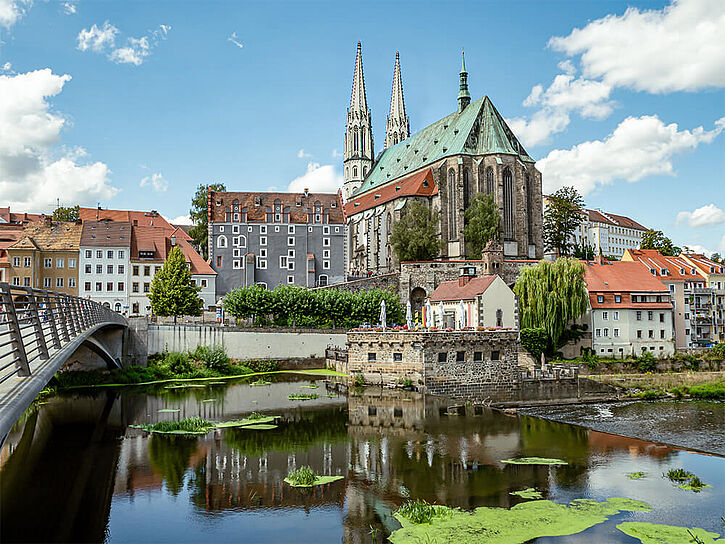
[626, 222]
[106, 234]
[623, 278]
[598, 217]
[6, 216]
[704, 264]
[258, 205]
[158, 240]
[420, 183]
[654, 260]
[450, 290]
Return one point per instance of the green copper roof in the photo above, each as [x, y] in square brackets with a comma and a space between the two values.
[478, 130]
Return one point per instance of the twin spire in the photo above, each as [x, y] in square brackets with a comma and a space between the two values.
[398, 125]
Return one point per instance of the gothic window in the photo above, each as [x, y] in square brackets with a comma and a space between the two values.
[221, 241]
[489, 181]
[355, 140]
[466, 189]
[395, 138]
[354, 171]
[452, 226]
[362, 140]
[508, 202]
[365, 171]
[529, 207]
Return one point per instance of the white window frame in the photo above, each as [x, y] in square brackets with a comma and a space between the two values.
[237, 264]
[249, 229]
[290, 280]
[290, 265]
[283, 263]
[221, 241]
[47, 263]
[59, 282]
[221, 228]
[89, 254]
[326, 230]
[121, 254]
[325, 253]
[235, 229]
[309, 229]
[71, 263]
[262, 240]
[261, 263]
[262, 229]
[47, 282]
[236, 253]
[290, 240]
[337, 229]
[290, 229]
[60, 262]
[263, 253]
[325, 242]
[326, 265]
[71, 282]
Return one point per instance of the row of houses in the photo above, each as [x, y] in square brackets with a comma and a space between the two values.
[109, 256]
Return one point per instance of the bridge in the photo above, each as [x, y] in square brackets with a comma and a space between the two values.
[42, 330]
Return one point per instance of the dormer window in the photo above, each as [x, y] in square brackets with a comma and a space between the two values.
[653, 271]
[663, 271]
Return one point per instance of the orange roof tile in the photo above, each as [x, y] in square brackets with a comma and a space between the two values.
[450, 290]
[621, 277]
[677, 268]
[420, 183]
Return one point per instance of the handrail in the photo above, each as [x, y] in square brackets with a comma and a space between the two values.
[36, 323]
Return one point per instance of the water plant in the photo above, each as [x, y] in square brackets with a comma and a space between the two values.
[419, 511]
[306, 477]
[636, 475]
[679, 475]
[260, 381]
[197, 425]
[654, 533]
[534, 461]
[303, 396]
[528, 493]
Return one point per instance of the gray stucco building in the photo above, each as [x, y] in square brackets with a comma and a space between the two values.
[276, 238]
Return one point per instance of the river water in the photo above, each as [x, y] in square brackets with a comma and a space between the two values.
[72, 470]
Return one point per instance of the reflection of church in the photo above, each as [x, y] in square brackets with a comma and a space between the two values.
[445, 165]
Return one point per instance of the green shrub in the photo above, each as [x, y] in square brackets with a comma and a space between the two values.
[648, 395]
[214, 358]
[262, 366]
[710, 391]
[359, 380]
[178, 363]
[535, 341]
[419, 511]
[646, 362]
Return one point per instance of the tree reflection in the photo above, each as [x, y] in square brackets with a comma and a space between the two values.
[169, 456]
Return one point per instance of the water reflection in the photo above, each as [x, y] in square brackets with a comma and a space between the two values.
[74, 471]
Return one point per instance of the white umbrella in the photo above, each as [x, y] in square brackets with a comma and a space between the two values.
[441, 312]
[383, 315]
[428, 314]
[409, 315]
[461, 315]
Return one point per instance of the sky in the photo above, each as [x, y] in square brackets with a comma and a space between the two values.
[133, 104]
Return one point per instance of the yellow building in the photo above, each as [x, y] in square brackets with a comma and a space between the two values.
[46, 256]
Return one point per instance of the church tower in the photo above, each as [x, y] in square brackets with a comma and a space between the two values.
[359, 153]
[464, 97]
[398, 126]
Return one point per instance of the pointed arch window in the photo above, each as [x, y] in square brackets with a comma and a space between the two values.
[489, 181]
[355, 140]
[508, 202]
[452, 223]
[362, 140]
[466, 188]
[395, 138]
[529, 207]
[354, 172]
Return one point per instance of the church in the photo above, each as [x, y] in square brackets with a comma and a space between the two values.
[444, 165]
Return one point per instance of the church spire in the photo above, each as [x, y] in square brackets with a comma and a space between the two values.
[359, 150]
[398, 126]
[464, 97]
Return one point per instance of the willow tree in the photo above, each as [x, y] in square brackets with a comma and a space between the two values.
[551, 296]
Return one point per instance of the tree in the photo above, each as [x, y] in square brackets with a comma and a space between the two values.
[561, 219]
[483, 223]
[200, 219]
[172, 291]
[716, 257]
[551, 296]
[584, 251]
[69, 213]
[415, 236]
[656, 239]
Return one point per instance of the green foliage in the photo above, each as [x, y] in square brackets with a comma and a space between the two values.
[646, 362]
[213, 357]
[649, 395]
[200, 218]
[717, 258]
[67, 213]
[679, 475]
[584, 251]
[415, 237]
[263, 366]
[359, 380]
[656, 239]
[302, 476]
[708, 391]
[535, 341]
[419, 511]
[552, 295]
[172, 291]
[561, 218]
[319, 308]
[178, 363]
[303, 396]
[188, 424]
[483, 223]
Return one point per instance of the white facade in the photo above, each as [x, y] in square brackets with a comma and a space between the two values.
[207, 288]
[626, 332]
[141, 275]
[103, 276]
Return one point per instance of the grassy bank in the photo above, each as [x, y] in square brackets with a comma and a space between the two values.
[700, 385]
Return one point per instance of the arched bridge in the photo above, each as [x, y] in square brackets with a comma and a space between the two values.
[40, 331]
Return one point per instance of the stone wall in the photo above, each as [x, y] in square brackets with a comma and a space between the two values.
[383, 281]
[384, 369]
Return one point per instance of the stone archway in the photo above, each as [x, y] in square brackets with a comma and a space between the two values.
[417, 298]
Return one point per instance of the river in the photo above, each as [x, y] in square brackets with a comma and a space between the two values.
[73, 470]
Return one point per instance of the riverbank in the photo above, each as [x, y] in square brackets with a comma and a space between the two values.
[696, 385]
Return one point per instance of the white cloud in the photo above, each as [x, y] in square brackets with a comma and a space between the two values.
[702, 217]
[69, 7]
[7, 67]
[301, 154]
[678, 48]
[135, 50]
[722, 245]
[97, 39]
[697, 248]
[235, 40]
[318, 179]
[180, 220]
[638, 147]
[11, 11]
[156, 181]
[336, 154]
[33, 171]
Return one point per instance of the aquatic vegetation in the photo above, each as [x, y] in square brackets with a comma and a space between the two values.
[687, 480]
[636, 475]
[260, 426]
[534, 461]
[310, 386]
[209, 400]
[197, 425]
[653, 533]
[168, 410]
[522, 523]
[648, 395]
[419, 511]
[679, 475]
[303, 396]
[528, 493]
[694, 484]
[260, 381]
[306, 477]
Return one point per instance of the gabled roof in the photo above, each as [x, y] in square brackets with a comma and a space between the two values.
[621, 277]
[106, 234]
[478, 130]
[678, 269]
[450, 290]
[624, 221]
[420, 183]
[597, 217]
[298, 205]
[6, 216]
[50, 236]
[158, 240]
[704, 264]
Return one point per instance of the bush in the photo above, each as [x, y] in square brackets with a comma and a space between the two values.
[646, 362]
[214, 358]
[178, 363]
[262, 366]
[535, 341]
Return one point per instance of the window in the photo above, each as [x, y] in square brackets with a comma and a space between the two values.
[237, 264]
[109, 254]
[639, 334]
[16, 262]
[47, 282]
[326, 265]
[134, 287]
[16, 280]
[616, 333]
[109, 269]
[499, 317]
[283, 261]
[290, 240]
[442, 357]
[235, 229]
[322, 280]
[89, 253]
[397, 357]
[600, 298]
[687, 332]
[639, 315]
[276, 229]
[452, 208]
[618, 298]
[27, 262]
[687, 315]
[262, 240]
[599, 333]
[325, 242]
[146, 287]
[326, 230]
[120, 269]
[203, 283]
[615, 316]
[508, 202]
[221, 228]
[221, 241]
[495, 356]
[263, 253]
[99, 254]
[87, 286]
[605, 315]
[88, 269]
[146, 270]
[662, 317]
[26, 281]
[337, 229]
[489, 181]
[606, 333]
[662, 334]
[99, 286]
[477, 356]
[290, 265]
[135, 270]
[263, 229]
[120, 286]
[47, 263]
[291, 229]
[290, 280]
[325, 253]
[650, 315]
[121, 254]
[99, 269]
[460, 356]
[650, 333]
[372, 356]
[71, 282]
[134, 308]
[261, 263]
[71, 263]
[218, 261]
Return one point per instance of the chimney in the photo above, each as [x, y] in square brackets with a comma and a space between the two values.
[48, 220]
[466, 274]
[599, 259]
[307, 192]
[173, 240]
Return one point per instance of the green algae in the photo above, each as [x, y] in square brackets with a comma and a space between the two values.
[534, 461]
[636, 475]
[523, 522]
[259, 427]
[260, 381]
[303, 396]
[693, 487]
[310, 386]
[169, 410]
[653, 533]
[319, 480]
[197, 426]
[528, 493]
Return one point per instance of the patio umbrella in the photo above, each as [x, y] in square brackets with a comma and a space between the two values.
[409, 315]
[461, 315]
[428, 314]
[441, 312]
[383, 315]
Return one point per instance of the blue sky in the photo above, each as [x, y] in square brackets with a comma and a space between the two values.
[163, 96]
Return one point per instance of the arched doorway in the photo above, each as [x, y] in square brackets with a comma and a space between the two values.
[417, 297]
[107, 305]
[117, 307]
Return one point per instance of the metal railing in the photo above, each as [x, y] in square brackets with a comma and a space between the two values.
[35, 323]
